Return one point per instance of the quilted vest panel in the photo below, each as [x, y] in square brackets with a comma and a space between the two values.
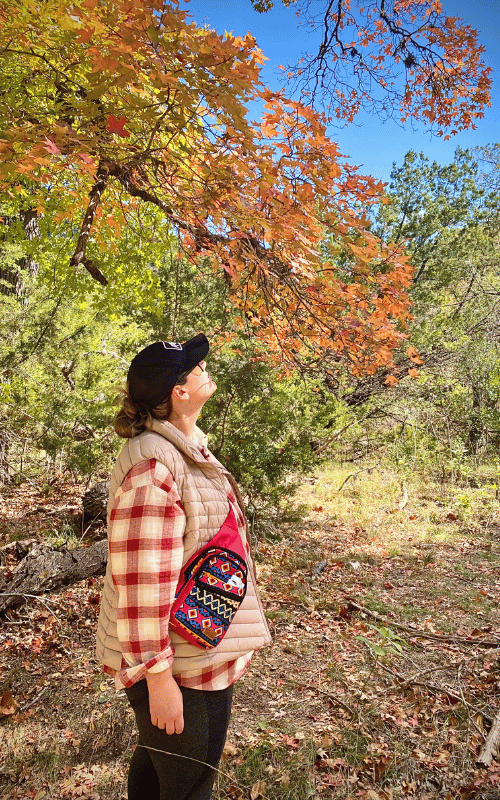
[203, 487]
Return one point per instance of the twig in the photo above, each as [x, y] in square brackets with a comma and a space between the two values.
[51, 512]
[491, 744]
[198, 761]
[422, 634]
[35, 700]
[339, 432]
[45, 329]
[25, 414]
[88, 526]
[226, 411]
[433, 688]
[457, 577]
[432, 669]
[333, 700]
[355, 475]
[464, 701]
[404, 496]
[31, 597]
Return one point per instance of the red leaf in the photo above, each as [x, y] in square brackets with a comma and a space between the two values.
[116, 125]
[291, 742]
[51, 147]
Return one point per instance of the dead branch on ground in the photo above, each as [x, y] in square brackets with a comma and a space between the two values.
[432, 687]
[491, 744]
[490, 643]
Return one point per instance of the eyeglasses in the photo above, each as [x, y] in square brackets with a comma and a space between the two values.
[199, 369]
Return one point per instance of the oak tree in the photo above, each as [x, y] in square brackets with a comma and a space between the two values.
[107, 108]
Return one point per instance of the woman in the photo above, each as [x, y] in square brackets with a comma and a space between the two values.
[169, 496]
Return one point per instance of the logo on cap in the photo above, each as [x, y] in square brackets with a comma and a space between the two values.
[172, 346]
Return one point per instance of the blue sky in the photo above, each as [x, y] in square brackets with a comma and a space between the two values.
[372, 145]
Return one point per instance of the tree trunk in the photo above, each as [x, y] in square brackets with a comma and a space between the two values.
[12, 277]
[476, 423]
[5, 476]
[47, 568]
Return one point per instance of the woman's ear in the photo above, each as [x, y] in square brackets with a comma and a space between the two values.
[180, 392]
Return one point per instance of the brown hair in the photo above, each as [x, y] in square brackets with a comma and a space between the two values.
[132, 417]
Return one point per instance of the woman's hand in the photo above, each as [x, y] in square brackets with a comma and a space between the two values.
[165, 701]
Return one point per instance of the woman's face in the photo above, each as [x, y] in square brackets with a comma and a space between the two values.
[199, 384]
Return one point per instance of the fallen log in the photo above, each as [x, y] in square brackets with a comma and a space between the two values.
[46, 568]
[491, 744]
[18, 548]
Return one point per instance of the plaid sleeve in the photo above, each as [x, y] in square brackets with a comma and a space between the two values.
[146, 529]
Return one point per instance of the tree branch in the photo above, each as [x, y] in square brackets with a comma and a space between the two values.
[79, 257]
[493, 644]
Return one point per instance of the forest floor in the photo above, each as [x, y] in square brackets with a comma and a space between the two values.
[382, 682]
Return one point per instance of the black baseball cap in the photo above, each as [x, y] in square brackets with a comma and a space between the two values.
[155, 371]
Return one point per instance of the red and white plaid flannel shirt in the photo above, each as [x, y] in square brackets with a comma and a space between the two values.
[145, 532]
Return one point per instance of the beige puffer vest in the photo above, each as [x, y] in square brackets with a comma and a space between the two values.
[203, 490]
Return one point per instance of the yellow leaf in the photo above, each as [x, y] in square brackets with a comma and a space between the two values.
[258, 790]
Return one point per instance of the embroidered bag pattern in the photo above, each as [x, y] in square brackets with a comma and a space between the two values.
[211, 588]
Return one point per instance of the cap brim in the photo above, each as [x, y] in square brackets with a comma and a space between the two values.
[196, 350]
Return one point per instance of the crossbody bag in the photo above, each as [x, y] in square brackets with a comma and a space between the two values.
[211, 588]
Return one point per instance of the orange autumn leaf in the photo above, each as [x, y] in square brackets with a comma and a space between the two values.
[7, 704]
[414, 355]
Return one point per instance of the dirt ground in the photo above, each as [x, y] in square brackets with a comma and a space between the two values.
[382, 681]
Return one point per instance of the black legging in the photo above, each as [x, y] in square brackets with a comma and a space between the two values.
[158, 776]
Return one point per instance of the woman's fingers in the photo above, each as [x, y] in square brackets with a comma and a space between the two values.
[165, 702]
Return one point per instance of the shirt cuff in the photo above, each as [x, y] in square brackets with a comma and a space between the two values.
[162, 661]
